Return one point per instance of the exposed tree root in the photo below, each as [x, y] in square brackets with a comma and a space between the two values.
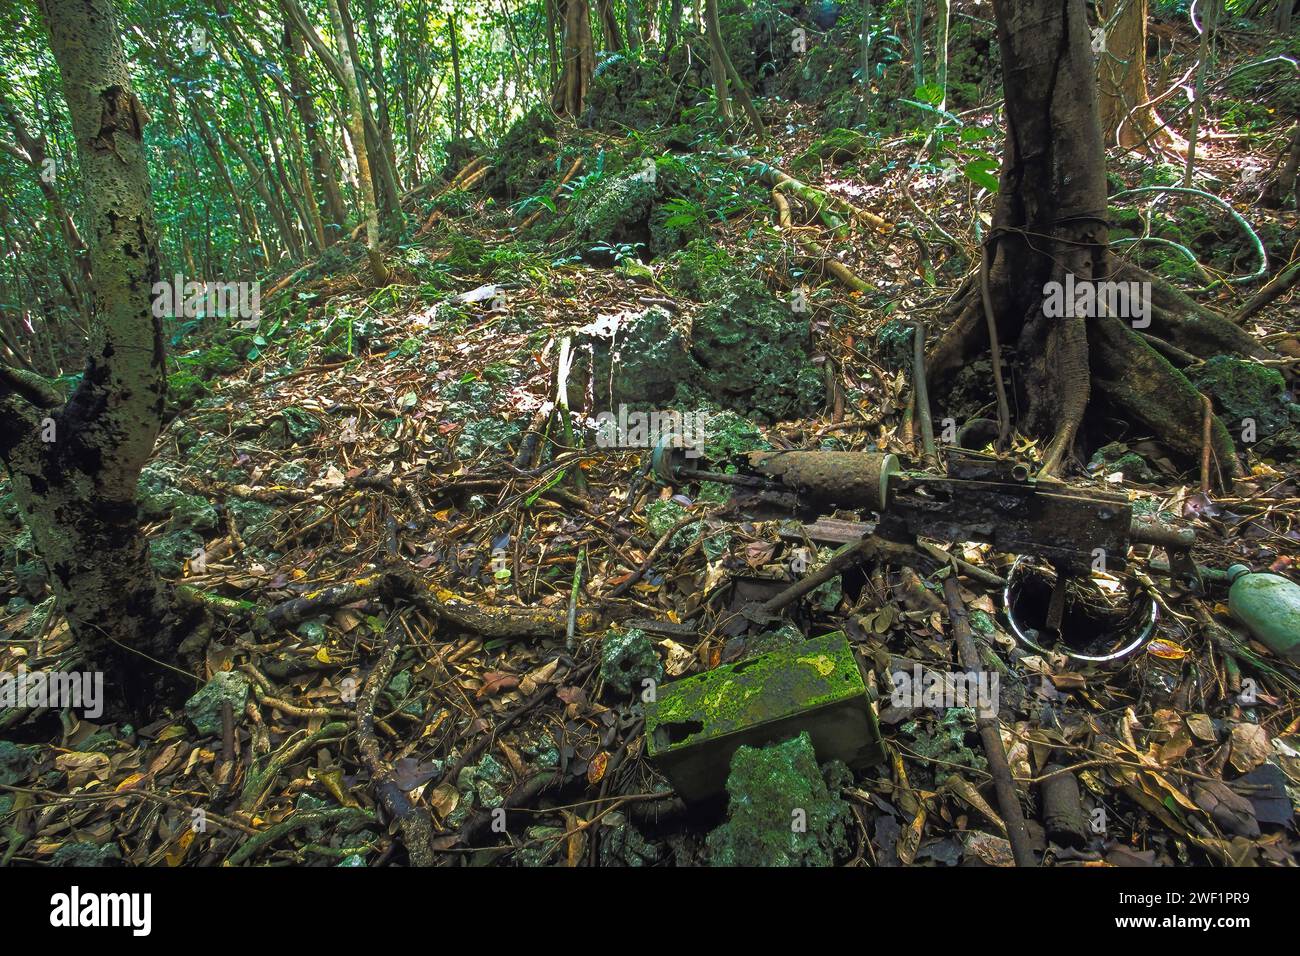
[1127, 370]
[460, 612]
[412, 819]
[1141, 383]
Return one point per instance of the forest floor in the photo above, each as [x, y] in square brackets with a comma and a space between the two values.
[369, 437]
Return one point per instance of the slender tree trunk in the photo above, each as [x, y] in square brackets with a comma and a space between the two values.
[458, 92]
[609, 25]
[385, 120]
[674, 24]
[1209, 21]
[382, 161]
[77, 491]
[46, 173]
[729, 75]
[552, 45]
[633, 26]
[332, 210]
[365, 187]
[941, 51]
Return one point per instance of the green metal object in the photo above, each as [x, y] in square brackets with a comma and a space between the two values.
[695, 725]
[1269, 605]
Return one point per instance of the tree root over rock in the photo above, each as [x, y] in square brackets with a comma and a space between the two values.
[1126, 370]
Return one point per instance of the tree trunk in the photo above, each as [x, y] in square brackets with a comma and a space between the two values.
[609, 25]
[458, 94]
[77, 491]
[332, 211]
[1050, 233]
[33, 149]
[1126, 120]
[365, 186]
[725, 74]
[674, 25]
[571, 88]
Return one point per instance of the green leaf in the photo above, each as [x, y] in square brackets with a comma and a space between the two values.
[931, 93]
[983, 173]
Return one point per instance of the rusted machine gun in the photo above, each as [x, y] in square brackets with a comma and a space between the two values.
[979, 498]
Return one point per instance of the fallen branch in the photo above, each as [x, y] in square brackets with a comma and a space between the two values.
[412, 819]
[1274, 288]
[831, 264]
[555, 193]
[1008, 798]
[299, 819]
[832, 210]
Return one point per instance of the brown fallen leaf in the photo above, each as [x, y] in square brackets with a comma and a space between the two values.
[1250, 746]
[497, 682]
[1233, 813]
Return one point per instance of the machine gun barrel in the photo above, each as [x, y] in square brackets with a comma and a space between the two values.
[978, 498]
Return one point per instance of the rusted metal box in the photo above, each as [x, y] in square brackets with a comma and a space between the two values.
[694, 725]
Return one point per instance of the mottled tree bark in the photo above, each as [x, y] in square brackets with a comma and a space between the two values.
[332, 211]
[365, 185]
[570, 95]
[74, 466]
[1050, 222]
[1126, 118]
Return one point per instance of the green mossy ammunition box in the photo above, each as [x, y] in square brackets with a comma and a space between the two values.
[694, 725]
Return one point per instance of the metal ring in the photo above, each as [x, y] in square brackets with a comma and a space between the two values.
[1147, 632]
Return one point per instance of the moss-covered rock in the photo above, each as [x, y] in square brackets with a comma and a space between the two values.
[781, 810]
[1119, 457]
[753, 350]
[204, 708]
[1244, 390]
[728, 435]
[623, 845]
[292, 426]
[486, 434]
[524, 158]
[631, 92]
[780, 638]
[660, 516]
[627, 658]
[16, 762]
[632, 358]
[219, 360]
[169, 552]
[158, 497]
[243, 346]
[251, 518]
[947, 743]
[184, 388]
[616, 211]
[746, 349]
[81, 854]
[838, 146]
[700, 269]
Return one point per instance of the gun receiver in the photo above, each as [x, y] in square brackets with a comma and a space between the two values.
[979, 498]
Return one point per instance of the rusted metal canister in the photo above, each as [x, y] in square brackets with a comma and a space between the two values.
[848, 479]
